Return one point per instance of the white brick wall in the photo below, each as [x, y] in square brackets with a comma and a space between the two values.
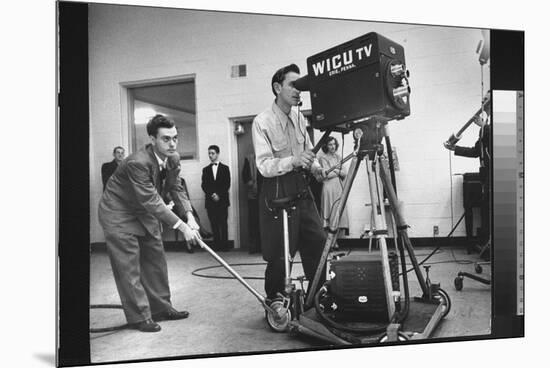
[129, 44]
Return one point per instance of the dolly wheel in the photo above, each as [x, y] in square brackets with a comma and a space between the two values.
[401, 336]
[458, 283]
[276, 323]
[445, 300]
[478, 268]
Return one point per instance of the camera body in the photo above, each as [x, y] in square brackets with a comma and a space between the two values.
[361, 79]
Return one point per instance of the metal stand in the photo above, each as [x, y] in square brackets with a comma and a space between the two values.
[378, 182]
[459, 279]
[379, 178]
[290, 304]
[280, 311]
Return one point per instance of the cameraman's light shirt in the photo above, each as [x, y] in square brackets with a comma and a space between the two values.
[277, 137]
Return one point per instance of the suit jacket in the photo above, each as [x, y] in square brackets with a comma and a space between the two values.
[220, 185]
[107, 169]
[132, 199]
[481, 149]
[175, 189]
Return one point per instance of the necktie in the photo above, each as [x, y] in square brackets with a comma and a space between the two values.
[162, 174]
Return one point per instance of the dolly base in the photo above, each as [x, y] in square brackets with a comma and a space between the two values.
[422, 321]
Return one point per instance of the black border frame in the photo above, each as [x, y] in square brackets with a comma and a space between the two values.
[73, 340]
[73, 348]
[507, 74]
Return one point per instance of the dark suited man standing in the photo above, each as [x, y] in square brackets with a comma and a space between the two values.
[216, 181]
[482, 149]
[130, 212]
[108, 168]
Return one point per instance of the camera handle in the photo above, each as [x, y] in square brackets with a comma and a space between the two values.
[321, 141]
[343, 161]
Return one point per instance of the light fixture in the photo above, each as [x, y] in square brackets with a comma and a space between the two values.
[239, 129]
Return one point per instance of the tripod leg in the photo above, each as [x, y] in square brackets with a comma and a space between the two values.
[381, 229]
[394, 232]
[332, 235]
[371, 229]
[401, 225]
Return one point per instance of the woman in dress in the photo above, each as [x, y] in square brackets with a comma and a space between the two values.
[332, 187]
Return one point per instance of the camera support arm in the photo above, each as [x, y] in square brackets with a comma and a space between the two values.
[455, 137]
[321, 141]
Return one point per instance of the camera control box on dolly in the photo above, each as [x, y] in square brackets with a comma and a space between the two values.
[356, 288]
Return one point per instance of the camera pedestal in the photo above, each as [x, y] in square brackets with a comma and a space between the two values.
[368, 136]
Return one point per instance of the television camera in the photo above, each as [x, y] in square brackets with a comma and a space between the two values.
[360, 80]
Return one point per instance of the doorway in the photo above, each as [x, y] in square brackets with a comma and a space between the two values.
[172, 97]
[244, 149]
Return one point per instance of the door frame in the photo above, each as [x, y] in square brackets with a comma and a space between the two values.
[127, 108]
[235, 181]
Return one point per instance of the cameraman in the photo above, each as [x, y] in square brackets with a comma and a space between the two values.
[481, 149]
[282, 148]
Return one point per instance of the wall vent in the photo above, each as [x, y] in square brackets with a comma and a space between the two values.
[238, 71]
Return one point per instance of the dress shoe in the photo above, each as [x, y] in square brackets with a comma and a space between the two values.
[170, 315]
[145, 326]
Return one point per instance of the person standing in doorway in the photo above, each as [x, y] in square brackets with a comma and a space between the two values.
[481, 149]
[108, 168]
[215, 183]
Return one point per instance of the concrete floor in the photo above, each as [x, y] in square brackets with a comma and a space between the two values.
[226, 318]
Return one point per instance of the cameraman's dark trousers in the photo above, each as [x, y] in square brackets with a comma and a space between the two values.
[305, 230]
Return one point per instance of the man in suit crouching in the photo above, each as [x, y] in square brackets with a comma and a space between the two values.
[130, 212]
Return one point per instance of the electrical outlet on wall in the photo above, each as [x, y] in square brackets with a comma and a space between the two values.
[436, 230]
